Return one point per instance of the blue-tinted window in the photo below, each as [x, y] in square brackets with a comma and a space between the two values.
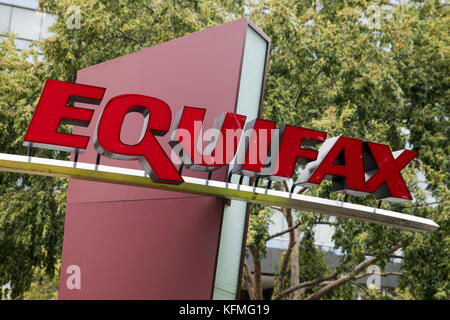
[5, 13]
[26, 23]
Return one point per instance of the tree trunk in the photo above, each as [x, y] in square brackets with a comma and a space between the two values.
[250, 283]
[257, 272]
[287, 255]
[295, 270]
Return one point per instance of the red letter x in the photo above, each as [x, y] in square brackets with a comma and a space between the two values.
[387, 182]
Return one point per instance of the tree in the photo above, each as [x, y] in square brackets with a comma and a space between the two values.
[329, 70]
[42, 287]
[31, 207]
[110, 29]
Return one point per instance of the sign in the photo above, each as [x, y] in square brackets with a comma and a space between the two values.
[170, 222]
[355, 166]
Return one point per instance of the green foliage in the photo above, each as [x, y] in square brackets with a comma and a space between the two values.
[31, 207]
[258, 225]
[312, 261]
[111, 29]
[426, 267]
[328, 70]
[43, 287]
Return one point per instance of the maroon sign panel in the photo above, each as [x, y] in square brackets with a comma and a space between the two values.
[137, 243]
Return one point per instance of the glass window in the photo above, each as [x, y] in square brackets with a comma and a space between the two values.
[22, 44]
[32, 4]
[5, 13]
[47, 22]
[26, 23]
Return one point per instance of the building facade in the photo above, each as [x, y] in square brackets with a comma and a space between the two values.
[22, 18]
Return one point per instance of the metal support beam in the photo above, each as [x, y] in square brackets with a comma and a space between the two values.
[252, 194]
